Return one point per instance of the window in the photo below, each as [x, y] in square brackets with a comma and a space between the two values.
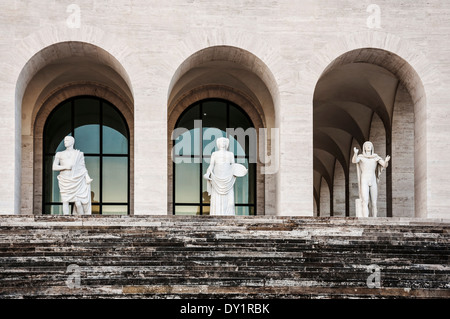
[101, 133]
[198, 127]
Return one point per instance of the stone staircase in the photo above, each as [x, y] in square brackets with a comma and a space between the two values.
[223, 257]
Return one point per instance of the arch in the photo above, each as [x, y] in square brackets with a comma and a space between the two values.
[327, 142]
[360, 83]
[416, 73]
[55, 73]
[235, 75]
[375, 90]
[334, 116]
[230, 68]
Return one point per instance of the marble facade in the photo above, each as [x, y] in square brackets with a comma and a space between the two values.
[278, 59]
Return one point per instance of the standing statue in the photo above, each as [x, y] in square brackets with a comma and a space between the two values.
[369, 167]
[73, 180]
[221, 175]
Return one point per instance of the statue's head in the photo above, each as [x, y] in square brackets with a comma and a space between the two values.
[69, 141]
[222, 143]
[368, 148]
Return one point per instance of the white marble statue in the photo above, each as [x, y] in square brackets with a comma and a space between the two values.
[369, 167]
[221, 176]
[73, 179]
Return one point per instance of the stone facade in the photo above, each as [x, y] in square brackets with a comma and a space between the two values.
[149, 55]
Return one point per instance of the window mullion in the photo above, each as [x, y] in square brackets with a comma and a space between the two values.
[201, 161]
[72, 116]
[101, 158]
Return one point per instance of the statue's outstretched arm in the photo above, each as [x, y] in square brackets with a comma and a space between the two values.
[385, 162]
[355, 158]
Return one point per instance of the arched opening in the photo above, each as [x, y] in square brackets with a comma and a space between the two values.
[238, 77]
[370, 94]
[197, 130]
[53, 75]
[101, 133]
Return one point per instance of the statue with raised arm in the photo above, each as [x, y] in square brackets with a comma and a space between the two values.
[369, 167]
[73, 179]
[221, 176]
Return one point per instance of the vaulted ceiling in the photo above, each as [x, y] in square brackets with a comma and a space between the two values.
[345, 101]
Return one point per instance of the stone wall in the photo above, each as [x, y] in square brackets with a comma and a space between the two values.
[325, 207]
[403, 155]
[295, 42]
[339, 191]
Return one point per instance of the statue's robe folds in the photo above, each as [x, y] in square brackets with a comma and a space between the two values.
[74, 187]
[221, 187]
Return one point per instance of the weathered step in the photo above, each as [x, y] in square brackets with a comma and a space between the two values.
[257, 256]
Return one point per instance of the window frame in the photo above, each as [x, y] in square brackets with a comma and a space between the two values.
[200, 159]
[100, 154]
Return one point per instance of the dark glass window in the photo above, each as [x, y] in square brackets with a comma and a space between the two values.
[101, 133]
[193, 145]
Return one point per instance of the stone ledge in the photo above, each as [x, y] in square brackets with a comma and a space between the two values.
[288, 222]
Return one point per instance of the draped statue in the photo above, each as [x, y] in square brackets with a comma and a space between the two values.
[221, 176]
[73, 180]
[369, 167]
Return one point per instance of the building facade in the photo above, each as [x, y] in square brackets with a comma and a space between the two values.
[133, 81]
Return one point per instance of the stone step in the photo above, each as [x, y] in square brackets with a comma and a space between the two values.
[355, 231]
[234, 257]
[219, 239]
[118, 275]
[194, 292]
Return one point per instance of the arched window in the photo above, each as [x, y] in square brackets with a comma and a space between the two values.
[194, 141]
[101, 133]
